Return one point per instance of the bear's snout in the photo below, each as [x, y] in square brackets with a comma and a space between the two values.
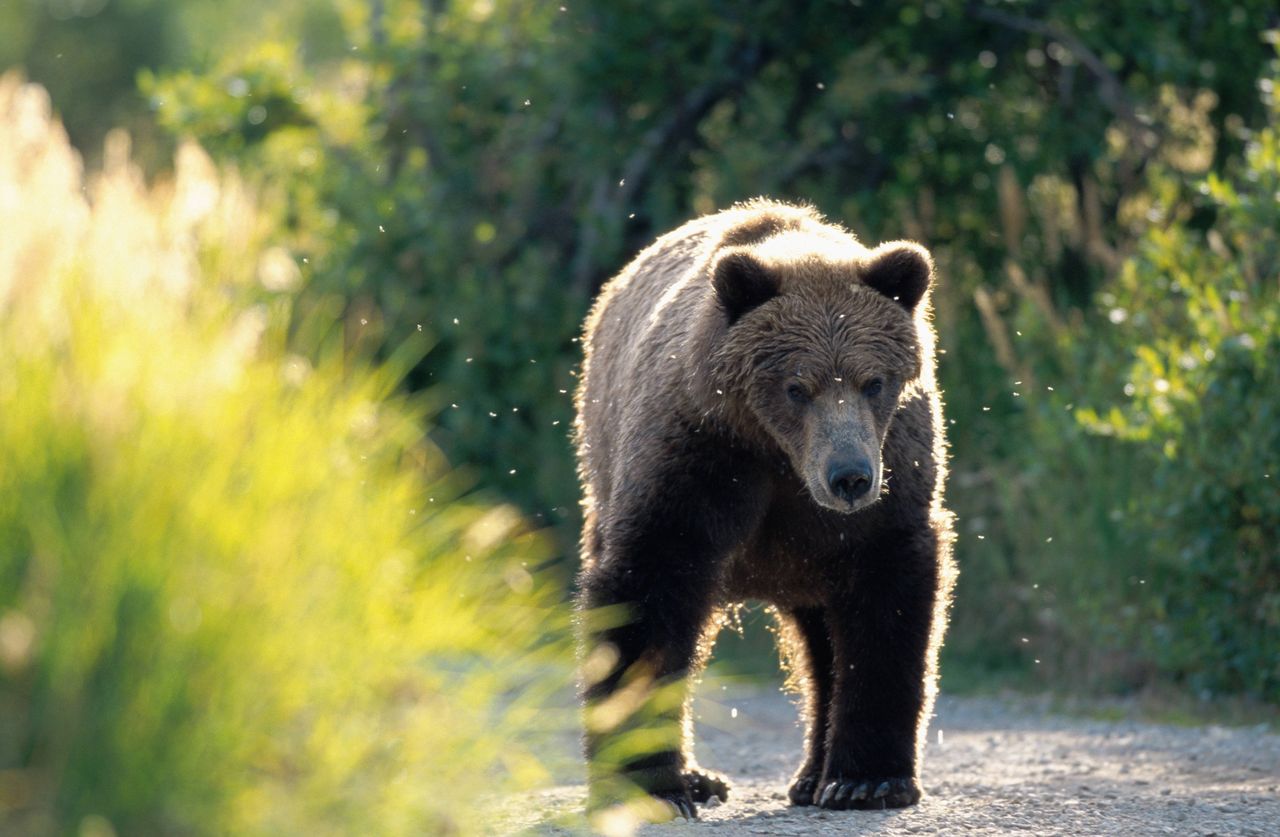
[841, 461]
[849, 480]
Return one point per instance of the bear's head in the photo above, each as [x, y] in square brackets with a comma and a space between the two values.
[818, 346]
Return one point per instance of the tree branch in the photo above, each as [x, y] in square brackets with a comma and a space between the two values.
[1110, 89]
[608, 202]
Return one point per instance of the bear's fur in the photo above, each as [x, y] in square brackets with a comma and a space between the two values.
[758, 419]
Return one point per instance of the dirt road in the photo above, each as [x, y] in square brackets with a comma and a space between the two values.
[992, 767]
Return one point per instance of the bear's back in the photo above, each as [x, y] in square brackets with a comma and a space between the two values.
[651, 303]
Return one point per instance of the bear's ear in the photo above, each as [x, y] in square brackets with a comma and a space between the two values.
[901, 271]
[742, 283]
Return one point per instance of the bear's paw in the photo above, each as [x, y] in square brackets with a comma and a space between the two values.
[703, 786]
[804, 789]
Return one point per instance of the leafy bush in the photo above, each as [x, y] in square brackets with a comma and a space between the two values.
[238, 593]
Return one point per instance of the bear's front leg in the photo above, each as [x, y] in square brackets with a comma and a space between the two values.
[648, 594]
[881, 627]
[635, 691]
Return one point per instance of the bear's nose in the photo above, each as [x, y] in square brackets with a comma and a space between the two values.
[849, 480]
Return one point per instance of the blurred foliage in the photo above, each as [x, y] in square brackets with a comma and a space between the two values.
[476, 170]
[472, 170]
[88, 54]
[238, 593]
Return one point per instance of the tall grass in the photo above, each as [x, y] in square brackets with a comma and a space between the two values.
[238, 592]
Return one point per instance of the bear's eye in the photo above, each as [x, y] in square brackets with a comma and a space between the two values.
[797, 394]
[872, 388]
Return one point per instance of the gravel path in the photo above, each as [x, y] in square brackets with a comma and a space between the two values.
[991, 767]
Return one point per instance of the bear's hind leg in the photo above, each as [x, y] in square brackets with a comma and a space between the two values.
[701, 783]
[806, 645]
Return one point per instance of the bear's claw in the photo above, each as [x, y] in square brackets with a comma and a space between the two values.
[681, 802]
[840, 794]
[703, 786]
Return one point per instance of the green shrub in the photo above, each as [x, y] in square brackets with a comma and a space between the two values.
[1204, 400]
[238, 593]
[1125, 529]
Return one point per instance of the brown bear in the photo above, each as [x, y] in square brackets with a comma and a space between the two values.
[758, 419]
